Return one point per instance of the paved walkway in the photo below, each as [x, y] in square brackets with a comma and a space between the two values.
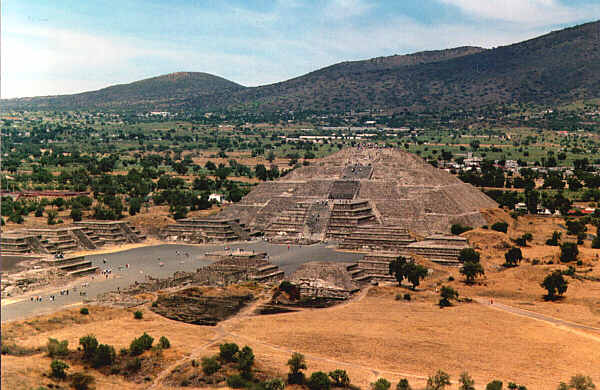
[159, 261]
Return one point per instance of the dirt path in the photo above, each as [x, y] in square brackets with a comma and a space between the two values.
[566, 325]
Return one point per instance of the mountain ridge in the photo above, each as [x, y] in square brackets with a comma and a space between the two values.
[559, 66]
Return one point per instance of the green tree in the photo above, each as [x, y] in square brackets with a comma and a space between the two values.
[164, 343]
[468, 255]
[340, 378]
[105, 356]
[274, 384]
[555, 284]
[57, 369]
[465, 382]
[76, 214]
[89, 344]
[513, 256]
[210, 365]
[439, 381]
[52, 214]
[81, 381]
[403, 385]
[245, 360]
[297, 363]
[228, 351]
[458, 228]
[500, 227]
[568, 252]
[471, 270]
[494, 385]
[381, 384]
[581, 382]
[447, 293]
[319, 381]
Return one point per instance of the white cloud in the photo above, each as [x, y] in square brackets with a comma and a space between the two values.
[342, 9]
[524, 11]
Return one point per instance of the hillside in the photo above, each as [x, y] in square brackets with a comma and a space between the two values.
[167, 91]
[557, 67]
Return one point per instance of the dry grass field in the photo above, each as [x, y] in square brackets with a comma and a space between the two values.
[376, 335]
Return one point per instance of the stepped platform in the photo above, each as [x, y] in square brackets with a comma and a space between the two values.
[323, 280]
[440, 248]
[255, 266]
[347, 215]
[110, 232]
[374, 237]
[200, 230]
[82, 271]
[373, 267]
[304, 222]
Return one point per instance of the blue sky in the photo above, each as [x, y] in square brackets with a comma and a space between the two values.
[61, 46]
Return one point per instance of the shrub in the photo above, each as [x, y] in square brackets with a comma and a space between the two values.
[84, 311]
[458, 228]
[138, 315]
[580, 382]
[439, 381]
[141, 344]
[466, 382]
[134, 365]
[57, 348]
[274, 384]
[245, 360]
[164, 343]
[403, 385]
[513, 256]
[568, 252]
[81, 381]
[76, 214]
[471, 270]
[494, 385]
[210, 365]
[89, 344]
[406, 297]
[522, 241]
[319, 381]
[554, 241]
[340, 378]
[297, 363]
[236, 382]
[57, 369]
[500, 227]
[381, 384]
[228, 351]
[596, 242]
[105, 356]
[468, 255]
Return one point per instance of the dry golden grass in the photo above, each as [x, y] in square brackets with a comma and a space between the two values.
[419, 338]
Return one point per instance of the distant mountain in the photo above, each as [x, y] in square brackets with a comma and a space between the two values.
[167, 91]
[557, 67]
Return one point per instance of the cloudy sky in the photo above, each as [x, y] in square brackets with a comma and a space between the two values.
[61, 46]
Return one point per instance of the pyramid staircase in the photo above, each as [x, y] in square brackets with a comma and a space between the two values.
[347, 215]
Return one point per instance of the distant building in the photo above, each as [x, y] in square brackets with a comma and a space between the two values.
[219, 198]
